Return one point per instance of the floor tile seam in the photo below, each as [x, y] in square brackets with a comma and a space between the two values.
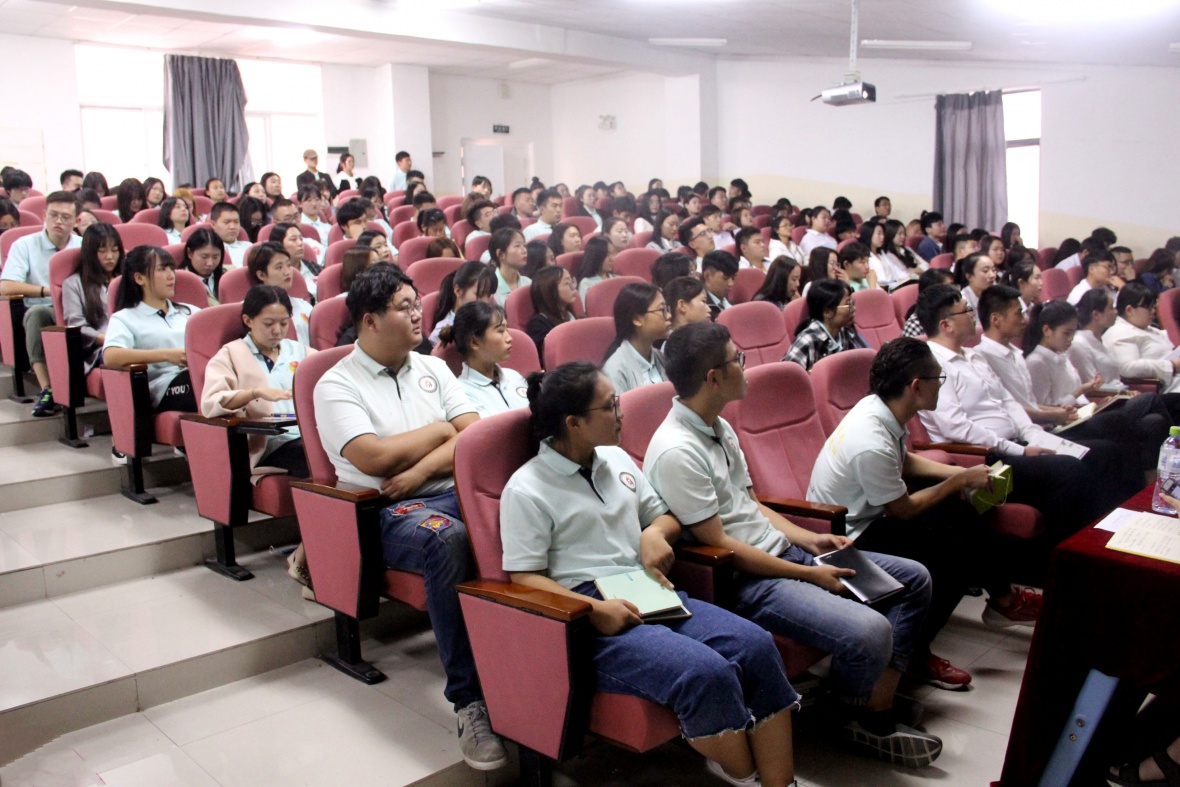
[127, 547]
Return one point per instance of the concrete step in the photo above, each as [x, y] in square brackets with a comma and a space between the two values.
[19, 427]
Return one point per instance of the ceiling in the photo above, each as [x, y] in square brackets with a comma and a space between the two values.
[1136, 32]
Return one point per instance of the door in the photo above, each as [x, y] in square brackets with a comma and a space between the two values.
[509, 165]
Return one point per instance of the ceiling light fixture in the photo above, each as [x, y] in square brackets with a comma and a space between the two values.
[942, 46]
[688, 41]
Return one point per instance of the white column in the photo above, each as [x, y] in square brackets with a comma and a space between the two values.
[404, 122]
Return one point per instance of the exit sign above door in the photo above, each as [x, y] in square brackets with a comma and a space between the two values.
[499, 129]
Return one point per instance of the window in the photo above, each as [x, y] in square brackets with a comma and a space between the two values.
[123, 119]
[1022, 132]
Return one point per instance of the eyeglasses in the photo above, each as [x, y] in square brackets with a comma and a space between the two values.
[850, 305]
[409, 308]
[60, 218]
[664, 310]
[941, 379]
[739, 359]
[699, 235]
[612, 405]
[967, 310]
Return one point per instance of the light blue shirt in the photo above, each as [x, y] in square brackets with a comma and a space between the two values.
[492, 397]
[627, 369]
[280, 374]
[502, 288]
[143, 328]
[28, 262]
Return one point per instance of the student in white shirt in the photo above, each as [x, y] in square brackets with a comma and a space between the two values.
[751, 249]
[666, 237]
[587, 202]
[688, 301]
[480, 333]
[404, 164]
[718, 271]
[696, 239]
[148, 327]
[565, 238]
[269, 263]
[642, 320]
[711, 215]
[1139, 348]
[650, 204]
[290, 237]
[597, 264]
[581, 511]
[817, 231]
[84, 294]
[781, 244]
[480, 216]
[1025, 277]
[974, 407]
[617, 234]
[523, 204]
[173, 218]
[548, 215]
[225, 222]
[509, 255]
[1069, 254]
[471, 281]
[388, 418]
[26, 273]
[1097, 269]
[974, 273]
[1089, 356]
[310, 205]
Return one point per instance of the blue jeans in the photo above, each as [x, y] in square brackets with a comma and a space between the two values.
[427, 537]
[715, 671]
[863, 642]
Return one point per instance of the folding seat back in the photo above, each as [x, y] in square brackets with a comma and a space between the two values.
[518, 308]
[109, 216]
[203, 204]
[394, 198]
[28, 219]
[334, 254]
[729, 248]
[62, 266]
[460, 229]
[176, 252]
[943, 261]
[903, 299]
[236, 282]
[914, 241]
[793, 313]
[570, 206]
[141, 235]
[189, 289]
[412, 250]
[451, 214]
[1166, 310]
[523, 358]
[346, 194]
[840, 246]
[747, 282]
[635, 262]
[475, 247]
[146, 216]
[400, 214]
[1054, 284]
[328, 318]
[329, 283]
[600, 298]
[404, 231]
[206, 332]
[504, 210]
[1045, 257]
[797, 234]
[762, 222]
[570, 262]
[449, 201]
[605, 206]
[428, 274]
[586, 339]
[874, 317]
[643, 409]
[110, 202]
[585, 224]
[839, 381]
[1075, 275]
[640, 240]
[65, 352]
[35, 205]
[757, 330]
[12, 236]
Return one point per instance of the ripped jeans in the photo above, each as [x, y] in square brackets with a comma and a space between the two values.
[715, 671]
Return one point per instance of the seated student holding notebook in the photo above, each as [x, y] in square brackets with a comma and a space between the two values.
[580, 511]
[975, 407]
[695, 464]
[865, 466]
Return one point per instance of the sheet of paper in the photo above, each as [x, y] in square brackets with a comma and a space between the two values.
[1115, 520]
[1174, 354]
[1149, 535]
[1060, 445]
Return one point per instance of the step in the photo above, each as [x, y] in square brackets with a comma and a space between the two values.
[31, 386]
[19, 427]
[35, 474]
[83, 658]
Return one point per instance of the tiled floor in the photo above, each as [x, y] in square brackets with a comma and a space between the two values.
[308, 724]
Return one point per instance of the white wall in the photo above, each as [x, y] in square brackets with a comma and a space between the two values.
[44, 99]
[469, 106]
[1106, 148]
[352, 111]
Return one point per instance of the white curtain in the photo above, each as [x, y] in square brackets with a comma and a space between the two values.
[970, 159]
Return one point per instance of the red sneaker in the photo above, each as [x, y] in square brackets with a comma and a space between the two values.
[1024, 611]
[941, 674]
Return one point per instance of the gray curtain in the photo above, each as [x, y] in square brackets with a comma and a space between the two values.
[205, 121]
[970, 159]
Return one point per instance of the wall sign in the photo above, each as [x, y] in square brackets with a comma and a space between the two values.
[499, 129]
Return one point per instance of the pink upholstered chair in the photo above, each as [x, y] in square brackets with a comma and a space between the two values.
[12, 236]
[412, 250]
[1075, 274]
[400, 214]
[903, 299]
[943, 261]
[747, 282]
[585, 224]
[797, 234]
[28, 219]
[874, 317]
[141, 235]
[334, 254]
[109, 216]
[34, 205]
[570, 206]
[838, 382]
[134, 427]
[793, 313]
[329, 284]
[65, 354]
[474, 248]
[580, 340]
[218, 447]
[328, 318]
[913, 242]
[640, 240]
[757, 330]
[518, 308]
[451, 214]
[339, 526]
[404, 231]
[460, 229]
[449, 201]
[571, 262]
[524, 357]
[1166, 310]
[600, 298]
[110, 202]
[146, 216]
[428, 274]
[1045, 257]
[429, 304]
[636, 262]
[236, 282]
[1054, 284]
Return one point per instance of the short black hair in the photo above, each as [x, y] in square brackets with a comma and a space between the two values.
[401, 156]
[877, 202]
[961, 238]
[897, 364]
[372, 291]
[934, 304]
[415, 173]
[721, 261]
[623, 204]
[219, 180]
[476, 208]
[503, 221]
[684, 234]
[221, 207]
[1134, 294]
[996, 299]
[349, 212]
[841, 203]
[421, 197]
[744, 235]
[670, 266]
[9, 208]
[546, 195]
[1096, 257]
[70, 173]
[1105, 236]
[520, 191]
[852, 252]
[691, 352]
[17, 179]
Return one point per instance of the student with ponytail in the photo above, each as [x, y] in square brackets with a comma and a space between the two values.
[471, 281]
[480, 332]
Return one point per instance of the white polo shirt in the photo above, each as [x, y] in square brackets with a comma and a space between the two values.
[627, 369]
[502, 288]
[237, 251]
[813, 240]
[701, 471]
[490, 397]
[1009, 365]
[537, 228]
[553, 520]
[860, 465]
[359, 396]
[301, 316]
[321, 226]
[28, 262]
[143, 328]
[280, 374]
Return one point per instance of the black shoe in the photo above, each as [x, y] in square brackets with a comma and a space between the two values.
[45, 405]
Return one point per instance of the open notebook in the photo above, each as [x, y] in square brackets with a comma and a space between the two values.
[656, 603]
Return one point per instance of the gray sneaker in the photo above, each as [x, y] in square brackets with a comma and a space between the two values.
[482, 749]
[903, 746]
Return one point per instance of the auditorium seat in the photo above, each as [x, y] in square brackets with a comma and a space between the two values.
[28, 219]
[586, 339]
[429, 304]
[66, 351]
[1045, 257]
[411, 251]
[585, 224]
[635, 262]
[793, 313]
[746, 284]
[903, 298]
[141, 235]
[34, 205]
[109, 216]
[600, 298]
[334, 254]
[874, 317]
[403, 231]
[523, 359]
[640, 240]
[797, 234]
[1054, 284]
[329, 317]
[400, 214]
[1166, 310]
[475, 247]
[518, 308]
[459, 232]
[449, 201]
[757, 330]
[571, 262]
[1075, 275]
[236, 282]
[451, 214]
[428, 274]
[943, 261]
[146, 216]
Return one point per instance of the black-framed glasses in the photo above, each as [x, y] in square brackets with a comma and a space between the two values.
[941, 379]
[966, 310]
[664, 310]
[739, 359]
[613, 405]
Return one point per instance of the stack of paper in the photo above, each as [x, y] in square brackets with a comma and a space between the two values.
[984, 498]
[1149, 535]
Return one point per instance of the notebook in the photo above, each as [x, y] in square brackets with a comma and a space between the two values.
[656, 603]
[871, 584]
[1060, 445]
[983, 498]
[1149, 535]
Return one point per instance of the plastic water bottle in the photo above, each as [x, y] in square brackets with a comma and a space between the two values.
[1169, 472]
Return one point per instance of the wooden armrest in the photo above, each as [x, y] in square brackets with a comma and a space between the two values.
[12, 297]
[341, 490]
[953, 448]
[703, 555]
[131, 367]
[541, 602]
[804, 508]
[271, 426]
[1140, 381]
[63, 329]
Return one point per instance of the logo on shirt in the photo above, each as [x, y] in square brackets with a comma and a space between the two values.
[628, 480]
[428, 384]
[292, 366]
[305, 317]
[522, 392]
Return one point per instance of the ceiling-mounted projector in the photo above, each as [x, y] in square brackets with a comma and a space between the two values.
[851, 93]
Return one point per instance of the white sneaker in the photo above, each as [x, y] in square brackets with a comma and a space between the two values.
[482, 749]
[118, 458]
[714, 767]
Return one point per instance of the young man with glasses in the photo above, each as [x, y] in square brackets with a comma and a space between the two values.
[694, 235]
[695, 463]
[26, 273]
[1098, 269]
[865, 467]
[388, 418]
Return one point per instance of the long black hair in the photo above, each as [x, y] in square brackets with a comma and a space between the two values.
[125, 194]
[144, 260]
[202, 237]
[164, 220]
[1052, 313]
[822, 296]
[472, 321]
[469, 274]
[94, 277]
[776, 286]
[633, 301]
